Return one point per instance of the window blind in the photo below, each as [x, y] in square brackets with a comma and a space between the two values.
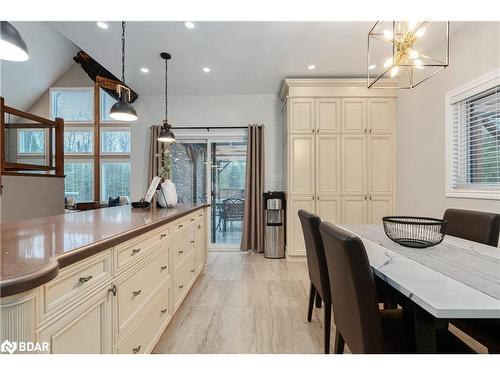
[475, 141]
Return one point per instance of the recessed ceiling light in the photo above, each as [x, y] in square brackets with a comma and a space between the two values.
[311, 67]
[371, 67]
[189, 24]
[145, 70]
[206, 69]
[102, 25]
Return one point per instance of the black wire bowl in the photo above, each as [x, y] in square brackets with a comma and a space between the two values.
[417, 232]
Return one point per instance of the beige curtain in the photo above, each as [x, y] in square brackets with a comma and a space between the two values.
[252, 237]
[155, 150]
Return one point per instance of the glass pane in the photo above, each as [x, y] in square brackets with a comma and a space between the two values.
[79, 181]
[189, 171]
[73, 105]
[78, 141]
[106, 103]
[228, 191]
[31, 141]
[115, 141]
[115, 180]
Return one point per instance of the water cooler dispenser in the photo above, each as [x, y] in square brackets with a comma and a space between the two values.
[274, 236]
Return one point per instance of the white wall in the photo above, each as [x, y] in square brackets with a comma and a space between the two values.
[420, 137]
[209, 110]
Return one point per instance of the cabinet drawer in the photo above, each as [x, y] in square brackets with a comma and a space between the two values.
[74, 281]
[144, 336]
[136, 289]
[182, 247]
[129, 252]
[183, 224]
[183, 277]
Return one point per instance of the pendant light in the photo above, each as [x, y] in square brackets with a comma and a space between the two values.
[122, 110]
[166, 135]
[12, 45]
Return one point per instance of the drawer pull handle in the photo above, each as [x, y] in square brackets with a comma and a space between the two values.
[180, 225]
[163, 268]
[192, 270]
[82, 280]
[181, 286]
[200, 215]
[135, 293]
[136, 350]
[192, 241]
[192, 219]
[113, 290]
[163, 311]
[135, 251]
[180, 251]
[163, 235]
[199, 226]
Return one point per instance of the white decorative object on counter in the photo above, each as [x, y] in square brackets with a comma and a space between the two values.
[168, 194]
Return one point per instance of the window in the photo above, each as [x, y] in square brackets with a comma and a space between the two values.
[75, 106]
[474, 139]
[31, 141]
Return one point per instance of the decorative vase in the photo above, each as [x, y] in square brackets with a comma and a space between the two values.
[168, 194]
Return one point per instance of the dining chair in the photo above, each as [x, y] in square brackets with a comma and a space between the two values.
[482, 227]
[318, 271]
[359, 322]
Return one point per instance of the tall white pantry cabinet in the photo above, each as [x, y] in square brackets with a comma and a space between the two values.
[338, 138]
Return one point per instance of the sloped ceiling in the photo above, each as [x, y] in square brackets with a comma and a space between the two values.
[51, 55]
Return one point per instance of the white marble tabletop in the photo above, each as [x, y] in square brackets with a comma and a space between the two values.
[440, 295]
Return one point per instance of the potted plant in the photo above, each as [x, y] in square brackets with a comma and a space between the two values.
[168, 193]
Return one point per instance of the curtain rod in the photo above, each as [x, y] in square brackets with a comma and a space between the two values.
[207, 127]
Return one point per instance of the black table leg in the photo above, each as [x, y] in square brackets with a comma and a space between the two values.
[426, 328]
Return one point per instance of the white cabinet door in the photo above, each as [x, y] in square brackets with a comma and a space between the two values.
[295, 237]
[302, 165]
[378, 207]
[301, 115]
[380, 115]
[327, 115]
[353, 115]
[327, 165]
[329, 209]
[354, 210]
[379, 164]
[354, 164]
[85, 329]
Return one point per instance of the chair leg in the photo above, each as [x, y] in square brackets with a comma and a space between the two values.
[318, 300]
[328, 323]
[339, 343]
[312, 293]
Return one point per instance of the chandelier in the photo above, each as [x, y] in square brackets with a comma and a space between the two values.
[408, 52]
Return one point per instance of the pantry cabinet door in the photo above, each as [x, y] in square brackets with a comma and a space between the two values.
[354, 164]
[295, 238]
[353, 115]
[379, 164]
[327, 116]
[380, 115]
[354, 210]
[85, 329]
[301, 165]
[301, 116]
[378, 207]
[327, 165]
[329, 209]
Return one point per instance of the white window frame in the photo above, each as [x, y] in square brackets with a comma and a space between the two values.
[88, 88]
[468, 90]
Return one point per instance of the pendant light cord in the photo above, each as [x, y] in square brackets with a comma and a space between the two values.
[123, 52]
[166, 91]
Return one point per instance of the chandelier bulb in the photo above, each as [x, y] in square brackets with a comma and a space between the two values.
[388, 34]
[394, 71]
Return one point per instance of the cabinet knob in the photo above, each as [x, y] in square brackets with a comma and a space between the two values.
[163, 235]
[312, 131]
[370, 130]
[317, 197]
[192, 270]
[180, 225]
[135, 293]
[83, 280]
[313, 197]
[199, 226]
[370, 197]
[137, 349]
[163, 268]
[113, 289]
[192, 219]
[135, 251]
[163, 311]
[365, 197]
[181, 286]
[365, 130]
[192, 241]
[180, 251]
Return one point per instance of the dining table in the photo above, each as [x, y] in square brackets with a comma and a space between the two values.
[455, 279]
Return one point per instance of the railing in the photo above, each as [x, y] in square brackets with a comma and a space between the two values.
[10, 155]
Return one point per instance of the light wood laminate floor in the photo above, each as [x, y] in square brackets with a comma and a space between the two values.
[245, 303]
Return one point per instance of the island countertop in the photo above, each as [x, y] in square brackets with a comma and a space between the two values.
[33, 251]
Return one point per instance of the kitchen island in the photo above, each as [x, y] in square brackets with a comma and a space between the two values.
[101, 281]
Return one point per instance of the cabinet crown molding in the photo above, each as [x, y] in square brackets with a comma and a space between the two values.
[333, 87]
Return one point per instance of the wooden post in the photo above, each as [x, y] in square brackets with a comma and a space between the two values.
[97, 144]
[2, 135]
[59, 130]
